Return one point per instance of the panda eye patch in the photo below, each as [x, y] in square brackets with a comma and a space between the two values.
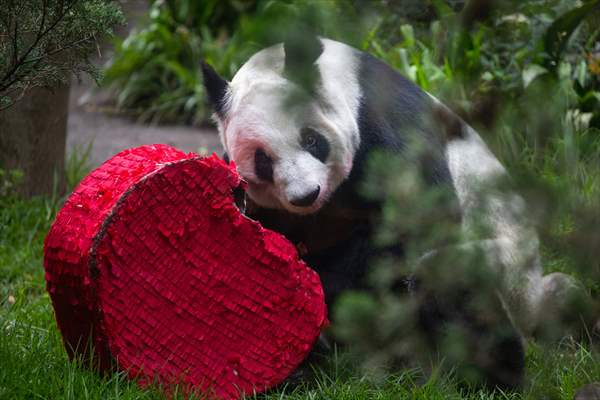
[263, 166]
[314, 143]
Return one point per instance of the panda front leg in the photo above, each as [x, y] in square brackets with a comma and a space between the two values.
[548, 306]
[564, 308]
[462, 316]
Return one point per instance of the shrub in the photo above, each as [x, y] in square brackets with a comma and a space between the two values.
[156, 73]
[156, 69]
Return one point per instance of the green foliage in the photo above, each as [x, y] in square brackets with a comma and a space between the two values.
[43, 41]
[559, 32]
[77, 165]
[156, 71]
[9, 180]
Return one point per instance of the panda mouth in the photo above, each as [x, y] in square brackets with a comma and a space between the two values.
[304, 210]
[254, 183]
[262, 194]
[266, 195]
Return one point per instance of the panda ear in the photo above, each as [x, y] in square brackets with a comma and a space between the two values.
[216, 89]
[301, 52]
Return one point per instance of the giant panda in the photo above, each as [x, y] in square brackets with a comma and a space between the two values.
[301, 119]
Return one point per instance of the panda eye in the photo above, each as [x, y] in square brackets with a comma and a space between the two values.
[314, 143]
[310, 140]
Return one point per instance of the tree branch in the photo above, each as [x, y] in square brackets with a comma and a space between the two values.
[15, 40]
[39, 36]
[37, 60]
[16, 99]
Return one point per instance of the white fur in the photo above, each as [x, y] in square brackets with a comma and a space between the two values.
[257, 117]
[512, 247]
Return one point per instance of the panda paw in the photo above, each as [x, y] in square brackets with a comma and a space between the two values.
[463, 321]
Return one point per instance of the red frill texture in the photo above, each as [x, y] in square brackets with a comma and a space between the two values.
[150, 264]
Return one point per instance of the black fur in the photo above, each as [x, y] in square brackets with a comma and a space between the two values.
[493, 351]
[393, 116]
[263, 166]
[335, 242]
[315, 143]
[216, 89]
[449, 124]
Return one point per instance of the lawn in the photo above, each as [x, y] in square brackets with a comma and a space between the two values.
[33, 363]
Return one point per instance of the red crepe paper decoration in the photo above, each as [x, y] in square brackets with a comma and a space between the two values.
[150, 264]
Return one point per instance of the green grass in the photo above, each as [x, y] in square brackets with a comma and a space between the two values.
[33, 363]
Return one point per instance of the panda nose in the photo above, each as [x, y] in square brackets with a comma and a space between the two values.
[306, 200]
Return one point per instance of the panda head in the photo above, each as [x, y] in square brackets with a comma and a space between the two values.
[288, 119]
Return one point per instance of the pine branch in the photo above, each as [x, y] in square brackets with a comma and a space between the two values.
[40, 34]
[15, 40]
[51, 39]
[38, 59]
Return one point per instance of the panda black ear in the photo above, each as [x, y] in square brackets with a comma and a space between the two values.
[301, 52]
[216, 89]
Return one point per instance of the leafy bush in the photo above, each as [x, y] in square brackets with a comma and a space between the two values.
[156, 71]
[9, 180]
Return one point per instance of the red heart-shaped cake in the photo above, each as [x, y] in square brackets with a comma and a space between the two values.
[150, 264]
